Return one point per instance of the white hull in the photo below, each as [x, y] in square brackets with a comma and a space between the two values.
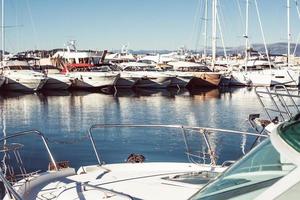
[126, 80]
[265, 77]
[24, 80]
[179, 79]
[250, 78]
[91, 80]
[57, 82]
[285, 77]
[139, 180]
[151, 79]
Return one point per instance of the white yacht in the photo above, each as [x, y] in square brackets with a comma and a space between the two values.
[269, 171]
[128, 79]
[20, 76]
[56, 80]
[93, 79]
[151, 79]
[181, 73]
[196, 75]
[85, 69]
[145, 75]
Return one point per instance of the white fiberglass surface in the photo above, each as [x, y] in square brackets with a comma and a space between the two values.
[257, 171]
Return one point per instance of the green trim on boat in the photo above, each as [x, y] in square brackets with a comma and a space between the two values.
[290, 132]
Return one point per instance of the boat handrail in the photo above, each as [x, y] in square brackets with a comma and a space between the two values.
[37, 133]
[84, 185]
[282, 101]
[11, 191]
[201, 130]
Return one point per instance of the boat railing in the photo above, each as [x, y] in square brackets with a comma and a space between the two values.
[85, 187]
[204, 131]
[9, 179]
[279, 102]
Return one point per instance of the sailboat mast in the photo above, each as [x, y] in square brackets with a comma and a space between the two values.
[205, 27]
[288, 33]
[214, 32]
[3, 30]
[246, 34]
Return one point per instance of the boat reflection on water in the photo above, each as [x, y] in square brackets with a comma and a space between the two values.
[136, 92]
[67, 115]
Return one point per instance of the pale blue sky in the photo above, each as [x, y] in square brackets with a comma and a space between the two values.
[144, 24]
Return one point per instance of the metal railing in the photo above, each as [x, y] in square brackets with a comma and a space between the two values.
[282, 104]
[8, 185]
[200, 130]
[105, 191]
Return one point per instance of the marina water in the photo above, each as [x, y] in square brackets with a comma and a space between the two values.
[65, 117]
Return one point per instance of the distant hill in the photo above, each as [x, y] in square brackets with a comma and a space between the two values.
[279, 48]
[275, 48]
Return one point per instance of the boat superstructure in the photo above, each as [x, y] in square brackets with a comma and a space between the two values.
[85, 69]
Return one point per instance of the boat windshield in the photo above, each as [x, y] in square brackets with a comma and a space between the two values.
[249, 177]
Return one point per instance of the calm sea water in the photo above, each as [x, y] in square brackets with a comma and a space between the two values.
[65, 117]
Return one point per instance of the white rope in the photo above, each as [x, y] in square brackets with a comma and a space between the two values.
[32, 24]
[200, 26]
[222, 38]
[296, 46]
[195, 26]
[262, 32]
[298, 13]
[240, 12]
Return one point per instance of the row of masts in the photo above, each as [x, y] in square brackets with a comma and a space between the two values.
[246, 35]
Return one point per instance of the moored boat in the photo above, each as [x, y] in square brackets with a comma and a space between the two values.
[93, 79]
[151, 79]
[85, 69]
[56, 80]
[201, 75]
[20, 76]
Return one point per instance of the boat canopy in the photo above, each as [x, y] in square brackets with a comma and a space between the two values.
[290, 132]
